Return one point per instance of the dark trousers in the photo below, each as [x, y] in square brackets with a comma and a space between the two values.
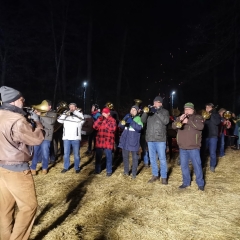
[125, 154]
[92, 138]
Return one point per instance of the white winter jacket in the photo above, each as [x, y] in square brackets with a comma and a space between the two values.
[72, 125]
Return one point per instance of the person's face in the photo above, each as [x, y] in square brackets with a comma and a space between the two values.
[221, 113]
[105, 114]
[20, 102]
[208, 108]
[188, 111]
[72, 108]
[157, 104]
[133, 111]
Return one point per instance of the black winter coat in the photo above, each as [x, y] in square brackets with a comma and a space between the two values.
[211, 125]
[156, 125]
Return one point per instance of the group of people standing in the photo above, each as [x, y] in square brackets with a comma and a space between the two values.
[22, 141]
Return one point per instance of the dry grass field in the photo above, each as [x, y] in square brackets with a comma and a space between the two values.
[95, 207]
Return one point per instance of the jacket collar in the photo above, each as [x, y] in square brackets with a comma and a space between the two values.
[12, 108]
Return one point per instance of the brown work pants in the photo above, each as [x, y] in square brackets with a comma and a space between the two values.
[16, 188]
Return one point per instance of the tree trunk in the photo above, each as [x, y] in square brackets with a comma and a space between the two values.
[88, 89]
[119, 82]
[3, 73]
[235, 59]
[58, 57]
[63, 85]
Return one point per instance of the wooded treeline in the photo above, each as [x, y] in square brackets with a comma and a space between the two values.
[124, 50]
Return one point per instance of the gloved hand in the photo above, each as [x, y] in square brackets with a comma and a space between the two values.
[126, 117]
[129, 120]
[101, 118]
[153, 109]
[34, 116]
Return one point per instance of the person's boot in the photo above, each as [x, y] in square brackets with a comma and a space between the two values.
[153, 179]
[164, 181]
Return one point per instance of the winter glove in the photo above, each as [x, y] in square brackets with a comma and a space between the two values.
[101, 118]
[34, 117]
[153, 109]
[130, 119]
[126, 117]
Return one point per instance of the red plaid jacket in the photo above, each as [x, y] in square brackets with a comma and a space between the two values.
[105, 132]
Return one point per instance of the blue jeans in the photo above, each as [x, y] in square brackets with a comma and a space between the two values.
[125, 154]
[67, 147]
[99, 153]
[44, 149]
[221, 143]
[211, 144]
[194, 155]
[160, 149]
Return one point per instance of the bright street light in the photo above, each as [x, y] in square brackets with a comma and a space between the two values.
[172, 97]
[84, 96]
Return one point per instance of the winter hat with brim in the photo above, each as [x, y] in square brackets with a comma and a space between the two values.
[158, 99]
[189, 105]
[9, 95]
[106, 110]
[136, 107]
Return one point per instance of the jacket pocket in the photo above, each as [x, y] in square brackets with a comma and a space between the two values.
[133, 141]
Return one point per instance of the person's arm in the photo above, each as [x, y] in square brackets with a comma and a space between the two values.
[196, 122]
[215, 118]
[144, 117]
[111, 125]
[22, 131]
[62, 117]
[97, 124]
[136, 124]
[163, 116]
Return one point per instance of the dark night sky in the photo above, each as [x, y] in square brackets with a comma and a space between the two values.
[158, 55]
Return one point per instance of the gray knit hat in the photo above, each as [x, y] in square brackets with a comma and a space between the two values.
[136, 107]
[72, 104]
[9, 95]
[189, 105]
[158, 99]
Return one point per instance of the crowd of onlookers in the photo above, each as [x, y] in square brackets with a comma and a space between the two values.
[33, 135]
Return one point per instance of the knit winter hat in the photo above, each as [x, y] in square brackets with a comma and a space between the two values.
[106, 110]
[136, 107]
[72, 104]
[189, 105]
[9, 95]
[158, 99]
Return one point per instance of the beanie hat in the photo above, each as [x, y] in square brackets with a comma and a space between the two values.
[106, 110]
[96, 106]
[136, 107]
[158, 99]
[72, 104]
[189, 105]
[9, 95]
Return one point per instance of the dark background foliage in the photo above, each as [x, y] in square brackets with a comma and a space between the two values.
[123, 49]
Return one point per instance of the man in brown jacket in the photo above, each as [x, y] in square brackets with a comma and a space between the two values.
[189, 138]
[16, 181]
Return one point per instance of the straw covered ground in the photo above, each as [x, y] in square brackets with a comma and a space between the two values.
[94, 207]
